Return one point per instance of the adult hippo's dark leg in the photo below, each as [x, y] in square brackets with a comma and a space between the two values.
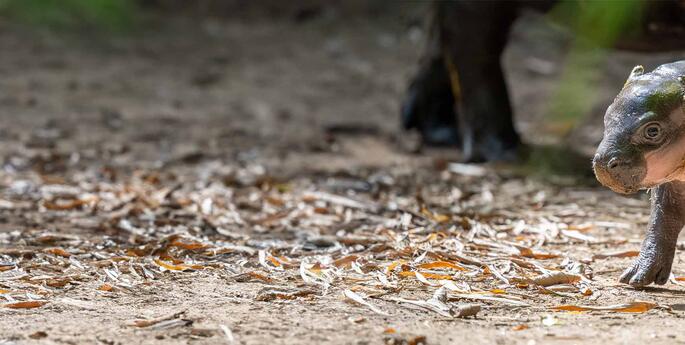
[658, 249]
[459, 95]
[473, 36]
[429, 104]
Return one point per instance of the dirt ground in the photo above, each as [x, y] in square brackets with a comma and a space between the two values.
[244, 180]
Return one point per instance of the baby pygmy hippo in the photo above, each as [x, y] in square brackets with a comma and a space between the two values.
[644, 148]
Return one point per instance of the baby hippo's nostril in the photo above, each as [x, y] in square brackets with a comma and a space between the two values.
[613, 163]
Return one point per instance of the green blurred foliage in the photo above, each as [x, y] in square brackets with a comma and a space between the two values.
[558, 164]
[106, 15]
[597, 26]
[600, 23]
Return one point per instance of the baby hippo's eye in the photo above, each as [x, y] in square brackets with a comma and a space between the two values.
[652, 132]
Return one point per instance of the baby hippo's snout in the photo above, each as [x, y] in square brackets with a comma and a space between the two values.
[621, 173]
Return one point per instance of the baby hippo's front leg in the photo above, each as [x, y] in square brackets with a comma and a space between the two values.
[656, 255]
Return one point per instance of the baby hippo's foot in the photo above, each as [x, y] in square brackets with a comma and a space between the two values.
[649, 268]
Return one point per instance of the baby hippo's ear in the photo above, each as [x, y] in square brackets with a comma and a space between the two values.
[636, 72]
[681, 80]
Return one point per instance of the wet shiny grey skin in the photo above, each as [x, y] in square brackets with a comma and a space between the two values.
[621, 163]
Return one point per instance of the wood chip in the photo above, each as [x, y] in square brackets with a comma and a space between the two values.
[359, 299]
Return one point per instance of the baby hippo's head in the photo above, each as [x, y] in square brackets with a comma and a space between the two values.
[644, 132]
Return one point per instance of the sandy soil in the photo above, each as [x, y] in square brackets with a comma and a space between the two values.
[313, 106]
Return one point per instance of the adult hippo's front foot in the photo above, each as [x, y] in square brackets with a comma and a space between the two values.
[429, 105]
[492, 148]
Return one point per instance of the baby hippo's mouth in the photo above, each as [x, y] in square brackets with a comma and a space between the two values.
[609, 181]
[619, 174]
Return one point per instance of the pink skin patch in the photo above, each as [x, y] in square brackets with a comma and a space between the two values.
[665, 164]
[668, 162]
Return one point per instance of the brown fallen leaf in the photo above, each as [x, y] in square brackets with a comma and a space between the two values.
[420, 277]
[432, 237]
[621, 254]
[38, 335]
[251, 277]
[632, 307]
[58, 282]
[274, 261]
[203, 332]
[426, 275]
[174, 267]
[51, 237]
[65, 205]
[105, 287]
[345, 261]
[586, 291]
[271, 218]
[552, 278]
[25, 304]
[274, 200]
[529, 253]
[404, 339]
[266, 258]
[438, 218]
[519, 327]
[270, 294]
[58, 251]
[394, 265]
[441, 264]
[187, 245]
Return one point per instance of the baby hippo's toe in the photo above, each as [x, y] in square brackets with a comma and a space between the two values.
[646, 271]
